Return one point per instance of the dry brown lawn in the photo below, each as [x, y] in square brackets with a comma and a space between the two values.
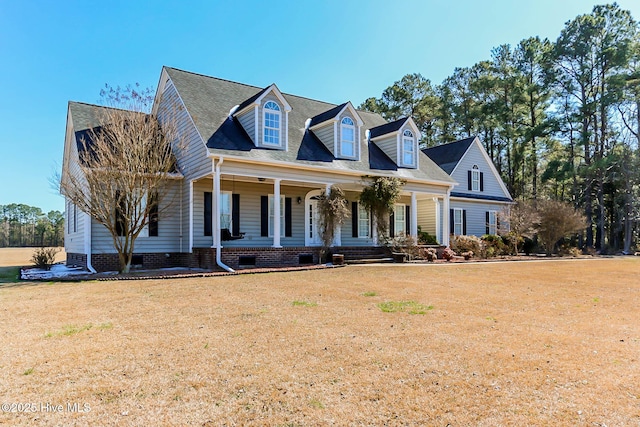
[514, 343]
[21, 257]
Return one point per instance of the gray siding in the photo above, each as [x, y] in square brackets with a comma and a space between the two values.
[73, 241]
[169, 237]
[390, 147]
[427, 216]
[248, 122]
[191, 151]
[474, 156]
[325, 135]
[476, 214]
[250, 194]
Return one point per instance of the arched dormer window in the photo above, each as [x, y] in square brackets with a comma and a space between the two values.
[272, 120]
[408, 148]
[348, 138]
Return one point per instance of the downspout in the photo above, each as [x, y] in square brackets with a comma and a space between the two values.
[87, 243]
[217, 218]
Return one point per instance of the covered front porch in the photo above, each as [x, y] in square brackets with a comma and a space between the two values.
[235, 209]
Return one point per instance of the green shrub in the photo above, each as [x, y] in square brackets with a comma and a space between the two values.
[425, 238]
[44, 257]
[473, 244]
[494, 245]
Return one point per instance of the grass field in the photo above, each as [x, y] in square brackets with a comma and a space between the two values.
[11, 259]
[515, 343]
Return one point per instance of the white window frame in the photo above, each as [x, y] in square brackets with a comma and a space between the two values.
[364, 222]
[276, 112]
[347, 124]
[493, 222]
[226, 211]
[458, 222]
[408, 139]
[400, 221]
[271, 214]
[475, 178]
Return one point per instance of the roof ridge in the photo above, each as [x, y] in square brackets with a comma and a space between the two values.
[254, 86]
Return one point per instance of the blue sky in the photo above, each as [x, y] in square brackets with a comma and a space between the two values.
[55, 51]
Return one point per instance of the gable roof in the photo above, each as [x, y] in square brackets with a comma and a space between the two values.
[208, 100]
[448, 155]
[387, 128]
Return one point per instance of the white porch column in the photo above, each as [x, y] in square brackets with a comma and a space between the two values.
[445, 220]
[276, 213]
[439, 234]
[190, 216]
[215, 217]
[337, 233]
[414, 215]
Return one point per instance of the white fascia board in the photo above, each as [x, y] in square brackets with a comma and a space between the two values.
[288, 165]
[162, 83]
[274, 89]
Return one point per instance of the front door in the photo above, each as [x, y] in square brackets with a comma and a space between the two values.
[312, 219]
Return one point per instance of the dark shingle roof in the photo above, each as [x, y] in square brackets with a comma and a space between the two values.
[448, 155]
[329, 114]
[208, 101]
[388, 127]
[481, 197]
[252, 99]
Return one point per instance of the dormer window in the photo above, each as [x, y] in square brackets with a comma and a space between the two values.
[271, 124]
[408, 148]
[348, 138]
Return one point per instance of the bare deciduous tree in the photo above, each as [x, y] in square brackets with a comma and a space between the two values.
[333, 212]
[122, 177]
[519, 220]
[557, 220]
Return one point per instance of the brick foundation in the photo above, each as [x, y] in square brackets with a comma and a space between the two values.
[206, 258]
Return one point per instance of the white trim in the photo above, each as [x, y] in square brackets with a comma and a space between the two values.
[307, 213]
[191, 216]
[277, 215]
[368, 213]
[495, 223]
[342, 141]
[445, 219]
[461, 221]
[277, 113]
[403, 209]
[414, 215]
[438, 219]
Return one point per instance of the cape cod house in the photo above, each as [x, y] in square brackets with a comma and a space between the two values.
[255, 161]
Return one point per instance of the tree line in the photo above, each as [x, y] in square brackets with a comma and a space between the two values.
[560, 119]
[24, 225]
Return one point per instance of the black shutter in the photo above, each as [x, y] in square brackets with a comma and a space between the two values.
[235, 214]
[153, 215]
[208, 214]
[354, 219]
[392, 224]
[120, 214]
[469, 180]
[481, 181]
[451, 225]
[486, 216]
[264, 215]
[464, 222]
[287, 217]
[407, 217]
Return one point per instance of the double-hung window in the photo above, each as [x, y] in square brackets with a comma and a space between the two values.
[458, 222]
[408, 148]
[272, 215]
[493, 222]
[400, 220]
[225, 210]
[272, 123]
[348, 138]
[475, 178]
[364, 222]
